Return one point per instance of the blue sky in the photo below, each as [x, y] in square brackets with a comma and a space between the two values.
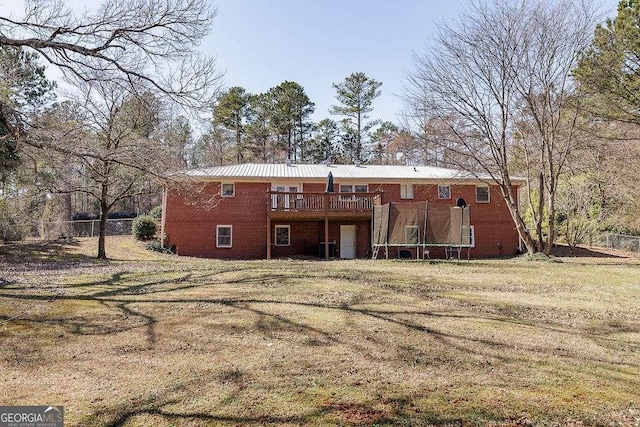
[261, 43]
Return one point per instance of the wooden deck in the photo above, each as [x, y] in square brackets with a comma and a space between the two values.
[292, 206]
[288, 205]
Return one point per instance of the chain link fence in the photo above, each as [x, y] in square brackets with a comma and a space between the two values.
[622, 242]
[64, 229]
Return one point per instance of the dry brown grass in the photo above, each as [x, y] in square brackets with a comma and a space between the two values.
[150, 339]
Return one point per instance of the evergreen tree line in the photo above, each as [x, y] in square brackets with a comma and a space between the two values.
[276, 126]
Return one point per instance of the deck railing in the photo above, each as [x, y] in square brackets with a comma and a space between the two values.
[282, 201]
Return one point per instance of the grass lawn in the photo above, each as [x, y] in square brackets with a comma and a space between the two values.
[151, 339]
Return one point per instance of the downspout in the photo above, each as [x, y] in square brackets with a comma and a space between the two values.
[164, 217]
[518, 202]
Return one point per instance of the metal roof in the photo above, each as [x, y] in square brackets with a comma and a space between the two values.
[253, 171]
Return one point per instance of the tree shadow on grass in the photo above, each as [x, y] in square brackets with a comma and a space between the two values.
[154, 408]
[120, 297]
[565, 251]
[46, 255]
[129, 303]
[141, 303]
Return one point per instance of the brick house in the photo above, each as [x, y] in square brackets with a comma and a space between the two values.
[257, 211]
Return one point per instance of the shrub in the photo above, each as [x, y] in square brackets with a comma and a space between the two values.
[156, 212]
[11, 228]
[144, 227]
[157, 247]
[540, 257]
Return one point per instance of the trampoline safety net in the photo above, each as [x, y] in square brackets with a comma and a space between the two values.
[417, 223]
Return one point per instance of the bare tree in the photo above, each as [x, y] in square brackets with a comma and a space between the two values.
[110, 143]
[120, 59]
[144, 43]
[499, 80]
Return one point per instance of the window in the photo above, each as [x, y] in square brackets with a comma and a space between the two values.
[287, 188]
[227, 190]
[444, 192]
[406, 191]
[224, 236]
[472, 236]
[411, 234]
[354, 188]
[283, 233]
[482, 194]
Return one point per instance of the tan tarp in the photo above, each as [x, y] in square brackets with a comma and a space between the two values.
[408, 223]
[380, 224]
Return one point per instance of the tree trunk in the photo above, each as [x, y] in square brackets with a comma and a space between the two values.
[102, 231]
[358, 139]
[239, 155]
[551, 234]
[540, 216]
[514, 210]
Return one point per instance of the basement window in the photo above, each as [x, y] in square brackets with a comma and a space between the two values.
[283, 235]
[224, 236]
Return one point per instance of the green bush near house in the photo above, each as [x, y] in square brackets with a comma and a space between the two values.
[156, 246]
[156, 212]
[144, 227]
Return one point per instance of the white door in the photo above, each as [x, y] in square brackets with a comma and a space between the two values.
[284, 201]
[348, 241]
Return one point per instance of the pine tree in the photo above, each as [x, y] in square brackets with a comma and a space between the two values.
[608, 71]
[356, 95]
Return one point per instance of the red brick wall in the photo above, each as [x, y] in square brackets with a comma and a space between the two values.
[495, 232]
[314, 188]
[305, 238]
[192, 229]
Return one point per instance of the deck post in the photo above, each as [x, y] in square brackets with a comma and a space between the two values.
[268, 227]
[326, 228]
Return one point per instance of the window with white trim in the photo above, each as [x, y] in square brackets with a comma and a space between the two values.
[283, 235]
[350, 188]
[406, 191]
[472, 236]
[224, 235]
[227, 189]
[411, 234]
[482, 194]
[444, 192]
